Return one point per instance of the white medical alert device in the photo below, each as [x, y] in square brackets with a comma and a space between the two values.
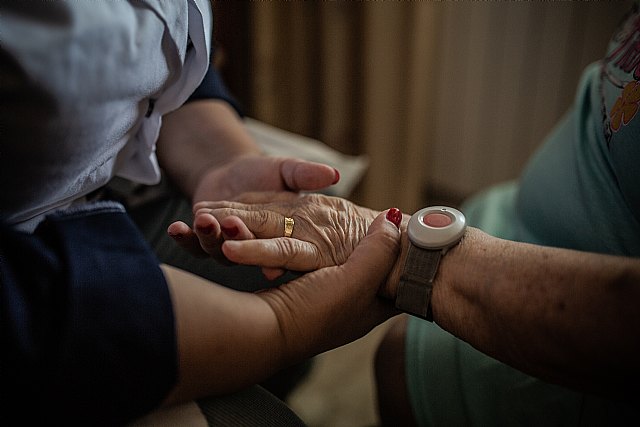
[432, 231]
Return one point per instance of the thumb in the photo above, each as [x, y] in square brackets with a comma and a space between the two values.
[302, 175]
[375, 255]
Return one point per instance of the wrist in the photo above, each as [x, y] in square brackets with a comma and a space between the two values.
[198, 137]
[456, 269]
[431, 231]
[390, 288]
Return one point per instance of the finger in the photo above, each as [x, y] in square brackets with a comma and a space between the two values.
[234, 229]
[271, 273]
[264, 224]
[209, 233]
[250, 200]
[264, 197]
[178, 229]
[375, 255]
[184, 236]
[207, 207]
[283, 252]
[301, 175]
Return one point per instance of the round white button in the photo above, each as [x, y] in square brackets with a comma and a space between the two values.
[437, 220]
[436, 227]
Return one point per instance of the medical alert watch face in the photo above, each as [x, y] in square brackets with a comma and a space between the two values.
[436, 227]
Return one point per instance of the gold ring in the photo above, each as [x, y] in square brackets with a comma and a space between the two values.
[288, 226]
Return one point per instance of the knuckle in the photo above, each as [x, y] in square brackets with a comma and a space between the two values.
[220, 212]
[284, 250]
[296, 254]
[263, 220]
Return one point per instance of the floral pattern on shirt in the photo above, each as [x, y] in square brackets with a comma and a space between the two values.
[626, 106]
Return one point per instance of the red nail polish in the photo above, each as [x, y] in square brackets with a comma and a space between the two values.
[206, 230]
[337, 178]
[395, 216]
[231, 231]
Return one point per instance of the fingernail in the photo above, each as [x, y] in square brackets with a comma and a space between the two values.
[395, 216]
[231, 231]
[206, 229]
[337, 178]
[176, 236]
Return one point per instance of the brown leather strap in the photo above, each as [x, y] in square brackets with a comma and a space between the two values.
[416, 282]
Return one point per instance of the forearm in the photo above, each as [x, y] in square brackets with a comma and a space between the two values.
[199, 136]
[226, 339]
[565, 316]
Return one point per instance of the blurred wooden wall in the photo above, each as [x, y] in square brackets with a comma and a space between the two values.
[445, 97]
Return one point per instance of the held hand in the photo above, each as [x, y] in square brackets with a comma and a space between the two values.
[243, 174]
[326, 229]
[342, 300]
[207, 235]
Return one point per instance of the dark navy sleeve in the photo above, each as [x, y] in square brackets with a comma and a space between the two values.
[88, 333]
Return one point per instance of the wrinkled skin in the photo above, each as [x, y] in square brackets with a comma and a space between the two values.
[326, 230]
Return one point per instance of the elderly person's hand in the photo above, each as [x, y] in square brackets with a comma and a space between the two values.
[325, 232]
[248, 173]
[207, 151]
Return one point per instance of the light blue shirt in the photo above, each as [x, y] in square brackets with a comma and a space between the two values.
[102, 74]
[582, 188]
